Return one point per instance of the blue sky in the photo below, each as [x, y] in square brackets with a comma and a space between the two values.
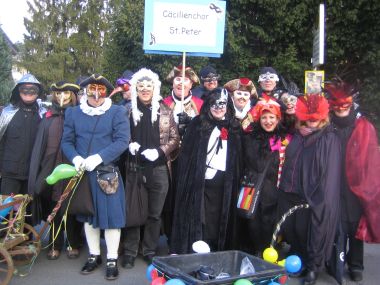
[12, 13]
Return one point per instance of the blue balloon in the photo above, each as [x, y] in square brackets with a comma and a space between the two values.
[4, 212]
[175, 282]
[274, 283]
[293, 264]
[149, 270]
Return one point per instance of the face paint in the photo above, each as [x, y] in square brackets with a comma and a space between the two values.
[96, 90]
[62, 97]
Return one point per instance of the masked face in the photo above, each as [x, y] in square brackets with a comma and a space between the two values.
[97, 91]
[241, 98]
[145, 91]
[28, 93]
[63, 98]
[177, 86]
[268, 81]
[210, 82]
[290, 101]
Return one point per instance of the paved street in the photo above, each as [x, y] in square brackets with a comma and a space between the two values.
[65, 271]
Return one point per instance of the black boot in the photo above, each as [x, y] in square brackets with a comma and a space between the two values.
[356, 275]
[128, 261]
[310, 278]
[92, 263]
[112, 272]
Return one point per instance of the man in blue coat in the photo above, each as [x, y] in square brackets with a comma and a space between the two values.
[95, 134]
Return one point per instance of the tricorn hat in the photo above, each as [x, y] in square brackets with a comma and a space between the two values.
[242, 84]
[65, 86]
[97, 79]
[177, 71]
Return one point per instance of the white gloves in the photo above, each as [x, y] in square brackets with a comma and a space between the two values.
[78, 161]
[91, 162]
[150, 154]
[134, 148]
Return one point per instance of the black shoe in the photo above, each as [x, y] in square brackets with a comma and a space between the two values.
[148, 258]
[356, 275]
[92, 263]
[310, 278]
[128, 261]
[112, 272]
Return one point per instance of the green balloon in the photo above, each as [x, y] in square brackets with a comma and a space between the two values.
[243, 282]
[61, 171]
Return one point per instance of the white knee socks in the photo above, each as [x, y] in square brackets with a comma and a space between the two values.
[112, 237]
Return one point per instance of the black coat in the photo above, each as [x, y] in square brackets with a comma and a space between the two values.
[311, 174]
[257, 154]
[187, 223]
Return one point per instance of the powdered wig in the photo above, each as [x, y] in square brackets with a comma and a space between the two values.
[145, 74]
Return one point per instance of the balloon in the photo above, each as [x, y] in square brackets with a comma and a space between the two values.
[4, 212]
[281, 262]
[274, 283]
[201, 247]
[149, 270]
[283, 279]
[270, 255]
[293, 264]
[62, 171]
[158, 281]
[175, 282]
[243, 282]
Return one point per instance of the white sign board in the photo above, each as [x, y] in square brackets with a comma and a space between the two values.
[174, 26]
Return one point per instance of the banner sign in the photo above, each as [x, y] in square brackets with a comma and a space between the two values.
[175, 26]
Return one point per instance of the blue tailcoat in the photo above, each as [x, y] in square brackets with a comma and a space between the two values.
[110, 139]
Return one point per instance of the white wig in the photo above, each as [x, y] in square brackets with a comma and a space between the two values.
[145, 74]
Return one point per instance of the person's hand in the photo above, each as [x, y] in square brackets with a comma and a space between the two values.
[150, 154]
[183, 118]
[134, 148]
[78, 161]
[92, 161]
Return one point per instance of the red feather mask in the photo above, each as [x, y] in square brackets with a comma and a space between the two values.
[340, 94]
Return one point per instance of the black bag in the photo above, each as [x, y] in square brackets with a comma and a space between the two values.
[81, 199]
[136, 194]
[108, 178]
[249, 194]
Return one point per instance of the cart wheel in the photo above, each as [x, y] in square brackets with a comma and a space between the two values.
[6, 266]
[25, 252]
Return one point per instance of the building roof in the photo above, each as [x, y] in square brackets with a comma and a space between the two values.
[11, 46]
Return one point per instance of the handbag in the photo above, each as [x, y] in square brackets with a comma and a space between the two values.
[108, 178]
[136, 194]
[249, 194]
[81, 199]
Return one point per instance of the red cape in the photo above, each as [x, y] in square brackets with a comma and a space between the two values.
[363, 175]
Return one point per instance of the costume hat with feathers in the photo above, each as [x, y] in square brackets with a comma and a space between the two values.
[145, 74]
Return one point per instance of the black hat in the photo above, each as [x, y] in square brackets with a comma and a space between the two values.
[97, 79]
[65, 86]
[208, 72]
[268, 69]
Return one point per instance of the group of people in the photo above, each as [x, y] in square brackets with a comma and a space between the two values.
[196, 147]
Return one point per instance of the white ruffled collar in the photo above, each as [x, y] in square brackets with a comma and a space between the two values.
[95, 111]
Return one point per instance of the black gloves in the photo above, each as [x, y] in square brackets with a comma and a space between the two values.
[183, 120]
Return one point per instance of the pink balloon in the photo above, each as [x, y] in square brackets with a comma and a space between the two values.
[158, 281]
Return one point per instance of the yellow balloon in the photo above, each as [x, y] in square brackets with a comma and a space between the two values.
[281, 262]
[270, 255]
